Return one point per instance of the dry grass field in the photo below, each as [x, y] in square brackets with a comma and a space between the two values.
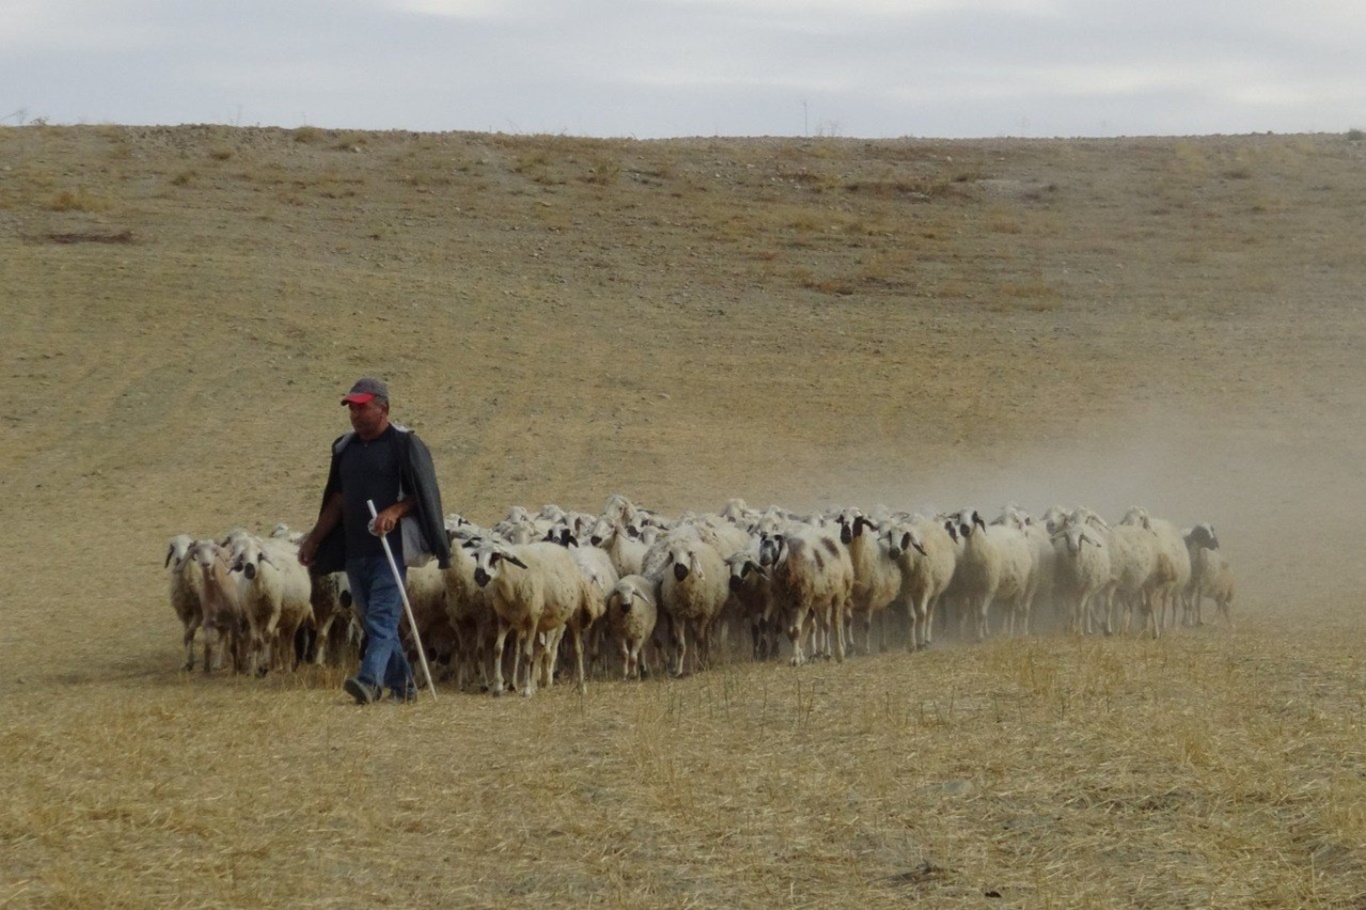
[1175, 323]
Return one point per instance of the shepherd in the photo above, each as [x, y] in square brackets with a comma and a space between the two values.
[388, 464]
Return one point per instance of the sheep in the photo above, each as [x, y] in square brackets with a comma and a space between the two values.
[223, 610]
[631, 613]
[813, 576]
[877, 575]
[469, 612]
[534, 588]
[425, 586]
[1211, 575]
[1135, 574]
[1173, 563]
[330, 597]
[996, 566]
[1045, 557]
[277, 595]
[186, 590]
[1083, 576]
[751, 594]
[622, 544]
[693, 588]
[928, 558]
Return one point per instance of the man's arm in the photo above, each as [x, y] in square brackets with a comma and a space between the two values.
[328, 518]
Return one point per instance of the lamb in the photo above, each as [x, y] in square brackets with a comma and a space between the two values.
[813, 576]
[996, 566]
[534, 589]
[877, 575]
[693, 589]
[1083, 577]
[928, 558]
[631, 613]
[186, 589]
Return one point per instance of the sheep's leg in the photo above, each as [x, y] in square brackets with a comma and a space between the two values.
[528, 656]
[794, 634]
[191, 625]
[210, 639]
[625, 647]
[983, 618]
[837, 611]
[680, 642]
[499, 641]
[578, 657]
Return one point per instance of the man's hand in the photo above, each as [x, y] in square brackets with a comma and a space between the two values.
[387, 520]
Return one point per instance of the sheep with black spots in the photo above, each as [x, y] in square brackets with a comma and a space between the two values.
[813, 578]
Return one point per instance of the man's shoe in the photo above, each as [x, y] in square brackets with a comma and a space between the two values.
[362, 692]
[404, 695]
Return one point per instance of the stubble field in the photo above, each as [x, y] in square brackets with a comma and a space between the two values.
[1174, 323]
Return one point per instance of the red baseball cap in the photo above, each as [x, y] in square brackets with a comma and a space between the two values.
[366, 389]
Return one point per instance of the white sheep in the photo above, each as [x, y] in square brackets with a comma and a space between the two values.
[223, 612]
[186, 590]
[1173, 570]
[813, 578]
[470, 613]
[996, 566]
[1211, 574]
[693, 589]
[878, 576]
[631, 614]
[1083, 578]
[1135, 573]
[535, 589]
[622, 544]
[1045, 557]
[929, 558]
[276, 596]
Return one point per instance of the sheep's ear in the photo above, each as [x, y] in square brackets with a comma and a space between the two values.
[170, 551]
[977, 520]
[515, 561]
[643, 598]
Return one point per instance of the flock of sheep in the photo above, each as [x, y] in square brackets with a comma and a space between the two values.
[580, 587]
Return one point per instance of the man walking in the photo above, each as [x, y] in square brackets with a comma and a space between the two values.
[388, 464]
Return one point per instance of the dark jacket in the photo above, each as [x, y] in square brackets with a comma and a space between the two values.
[417, 479]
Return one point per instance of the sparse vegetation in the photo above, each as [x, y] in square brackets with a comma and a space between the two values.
[1138, 337]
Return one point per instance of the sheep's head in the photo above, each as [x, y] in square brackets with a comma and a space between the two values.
[772, 549]
[741, 565]
[488, 560]
[177, 549]
[684, 561]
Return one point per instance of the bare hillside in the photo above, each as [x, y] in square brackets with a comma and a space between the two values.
[1174, 323]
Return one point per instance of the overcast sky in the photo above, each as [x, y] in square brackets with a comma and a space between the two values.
[664, 68]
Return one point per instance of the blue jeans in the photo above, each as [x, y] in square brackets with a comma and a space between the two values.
[379, 602]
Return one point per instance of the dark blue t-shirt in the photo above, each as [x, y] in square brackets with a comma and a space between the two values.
[369, 470]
